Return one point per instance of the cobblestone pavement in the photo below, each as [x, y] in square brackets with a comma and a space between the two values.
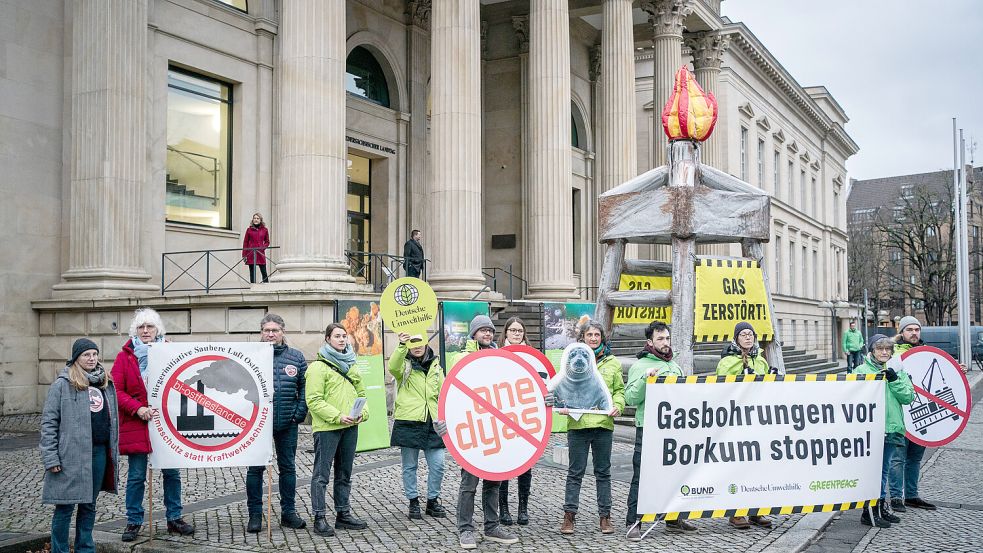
[215, 503]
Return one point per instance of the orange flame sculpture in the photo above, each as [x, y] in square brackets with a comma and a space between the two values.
[690, 113]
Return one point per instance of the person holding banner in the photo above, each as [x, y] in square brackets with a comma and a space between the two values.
[657, 359]
[514, 334]
[906, 465]
[595, 433]
[743, 355]
[289, 410]
[79, 445]
[418, 380]
[130, 373]
[334, 385]
[899, 391]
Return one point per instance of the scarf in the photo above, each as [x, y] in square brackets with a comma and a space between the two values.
[423, 362]
[873, 362]
[97, 376]
[734, 349]
[649, 350]
[602, 351]
[342, 360]
[140, 350]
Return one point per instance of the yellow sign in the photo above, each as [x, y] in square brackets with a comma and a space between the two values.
[643, 315]
[729, 291]
[409, 305]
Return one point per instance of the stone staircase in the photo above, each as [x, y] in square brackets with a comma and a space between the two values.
[531, 317]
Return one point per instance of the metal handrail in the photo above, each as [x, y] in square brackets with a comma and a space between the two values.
[208, 256]
[493, 277]
[379, 268]
[213, 172]
[588, 290]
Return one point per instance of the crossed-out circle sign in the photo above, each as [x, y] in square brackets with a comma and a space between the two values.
[498, 423]
[534, 357]
[941, 407]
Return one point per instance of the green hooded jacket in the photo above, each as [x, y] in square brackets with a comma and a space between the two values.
[610, 369]
[637, 380]
[853, 341]
[731, 363]
[897, 393]
[416, 391]
[330, 395]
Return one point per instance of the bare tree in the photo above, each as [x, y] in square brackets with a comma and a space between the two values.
[868, 266]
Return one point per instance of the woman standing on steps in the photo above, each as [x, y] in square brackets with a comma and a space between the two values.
[254, 243]
[514, 334]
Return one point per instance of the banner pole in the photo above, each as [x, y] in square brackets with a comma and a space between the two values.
[269, 503]
[150, 483]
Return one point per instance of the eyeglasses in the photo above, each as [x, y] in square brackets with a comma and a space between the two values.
[515, 331]
[746, 334]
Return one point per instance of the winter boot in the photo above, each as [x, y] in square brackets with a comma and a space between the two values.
[414, 512]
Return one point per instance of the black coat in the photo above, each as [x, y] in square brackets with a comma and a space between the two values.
[413, 254]
[289, 403]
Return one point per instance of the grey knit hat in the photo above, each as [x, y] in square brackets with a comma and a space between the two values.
[479, 322]
[908, 321]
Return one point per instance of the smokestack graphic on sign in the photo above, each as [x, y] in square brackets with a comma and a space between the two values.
[199, 421]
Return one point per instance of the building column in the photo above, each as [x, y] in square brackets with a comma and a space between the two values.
[616, 121]
[548, 208]
[455, 193]
[666, 17]
[708, 49]
[311, 185]
[109, 150]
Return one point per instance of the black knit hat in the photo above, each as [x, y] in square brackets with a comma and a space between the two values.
[81, 346]
[741, 327]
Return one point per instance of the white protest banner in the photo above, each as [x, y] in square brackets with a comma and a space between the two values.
[494, 405]
[759, 445]
[213, 402]
[942, 403]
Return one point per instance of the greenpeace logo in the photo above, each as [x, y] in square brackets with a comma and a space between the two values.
[696, 490]
[817, 485]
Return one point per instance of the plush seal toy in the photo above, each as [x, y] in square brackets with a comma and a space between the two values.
[578, 384]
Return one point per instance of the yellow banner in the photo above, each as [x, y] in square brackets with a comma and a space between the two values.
[643, 315]
[409, 305]
[729, 291]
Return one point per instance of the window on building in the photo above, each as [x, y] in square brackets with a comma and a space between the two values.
[807, 275]
[237, 4]
[779, 253]
[364, 77]
[815, 273]
[575, 232]
[761, 163]
[744, 161]
[578, 128]
[777, 169]
[836, 208]
[358, 203]
[803, 198]
[815, 199]
[789, 177]
[199, 150]
[791, 267]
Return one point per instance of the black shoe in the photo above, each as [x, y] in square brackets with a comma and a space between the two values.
[291, 520]
[131, 532]
[348, 521]
[919, 503]
[255, 524]
[322, 528]
[178, 526]
[897, 506]
[414, 512]
[887, 515]
[877, 521]
[435, 509]
[679, 525]
[522, 515]
[504, 517]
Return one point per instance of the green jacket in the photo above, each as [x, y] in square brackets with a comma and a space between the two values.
[470, 346]
[902, 347]
[416, 391]
[853, 340]
[637, 379]
[610, 369]
[330, 395]
[897, 393]
[731, 363]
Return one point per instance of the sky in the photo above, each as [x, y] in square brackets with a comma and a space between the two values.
[901, 69]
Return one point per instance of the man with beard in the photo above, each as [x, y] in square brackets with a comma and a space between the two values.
[655, 360]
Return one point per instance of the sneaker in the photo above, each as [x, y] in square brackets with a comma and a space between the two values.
[919, 503]
[435, 509]
[178, 526]
[886, 514]
[877, 521]
[131, 532]
[322, 528]
[680, 526]
[255, 524]
[634, 532]
[291, 520]
[897, 506]
[500, 535]
[414, 511]
[468, 540]
[348, 521]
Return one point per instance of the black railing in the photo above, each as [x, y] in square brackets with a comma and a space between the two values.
[511, 282]
[379, 269]
[588, 292]
[208, 270]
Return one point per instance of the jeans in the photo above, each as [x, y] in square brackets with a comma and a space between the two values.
[853, 360]
[338, 447]
[525, 486]
[86, 517]
[252, 273]
[598, 440]
[905, 469]
[435, 471]
[891, 452]
[136, 480]
[285, 443]
[465, 502]
[631, 517]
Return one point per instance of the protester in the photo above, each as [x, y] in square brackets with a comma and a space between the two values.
[254, 243]
[514, 334]
[656, 359]
[595, 433]
[333, 384]
[289, 410]
[898, 392]
[743, 355]
[482, 334]
[413, 259]
[419, 378]
[906, 465]
[853, 345]
[79, 445]
[130, 375]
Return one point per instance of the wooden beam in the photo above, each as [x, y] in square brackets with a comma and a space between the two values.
[614, 258]
[644, 267]
[638, 298]
[684, 172]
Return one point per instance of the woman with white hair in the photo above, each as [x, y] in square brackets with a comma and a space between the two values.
[130, 375]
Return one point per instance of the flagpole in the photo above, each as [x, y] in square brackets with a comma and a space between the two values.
[964, 315]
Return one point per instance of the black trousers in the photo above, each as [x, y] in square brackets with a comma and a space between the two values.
[252, 272]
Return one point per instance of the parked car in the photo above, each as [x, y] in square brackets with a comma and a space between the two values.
[946, 338]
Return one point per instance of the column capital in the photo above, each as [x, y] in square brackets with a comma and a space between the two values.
[594, 70]
[520, 24]
[708, 48]
[418, 13]
[666, 16]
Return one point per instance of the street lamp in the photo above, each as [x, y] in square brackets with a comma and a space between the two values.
[833, 305]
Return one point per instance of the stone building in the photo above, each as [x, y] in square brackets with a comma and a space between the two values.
[131, 130]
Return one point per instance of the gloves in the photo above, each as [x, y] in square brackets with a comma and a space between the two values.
[772, 370]
[550, 399]
[890, 374]
[440, 427]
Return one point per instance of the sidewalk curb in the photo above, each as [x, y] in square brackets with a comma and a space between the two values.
[801, 535]
[108, 542]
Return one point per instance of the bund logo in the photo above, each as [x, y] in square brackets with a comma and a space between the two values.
[705, 491]
[406, 295]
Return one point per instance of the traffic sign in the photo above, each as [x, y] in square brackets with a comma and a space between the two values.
[941, 407]
[498, 424]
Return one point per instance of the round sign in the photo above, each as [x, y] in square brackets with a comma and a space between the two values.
[941, 407]
[409, 305]
[498, 424]
[534, 357]
[290, 371]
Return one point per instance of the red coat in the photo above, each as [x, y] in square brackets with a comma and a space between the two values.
[255, 238]
[131, 394]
